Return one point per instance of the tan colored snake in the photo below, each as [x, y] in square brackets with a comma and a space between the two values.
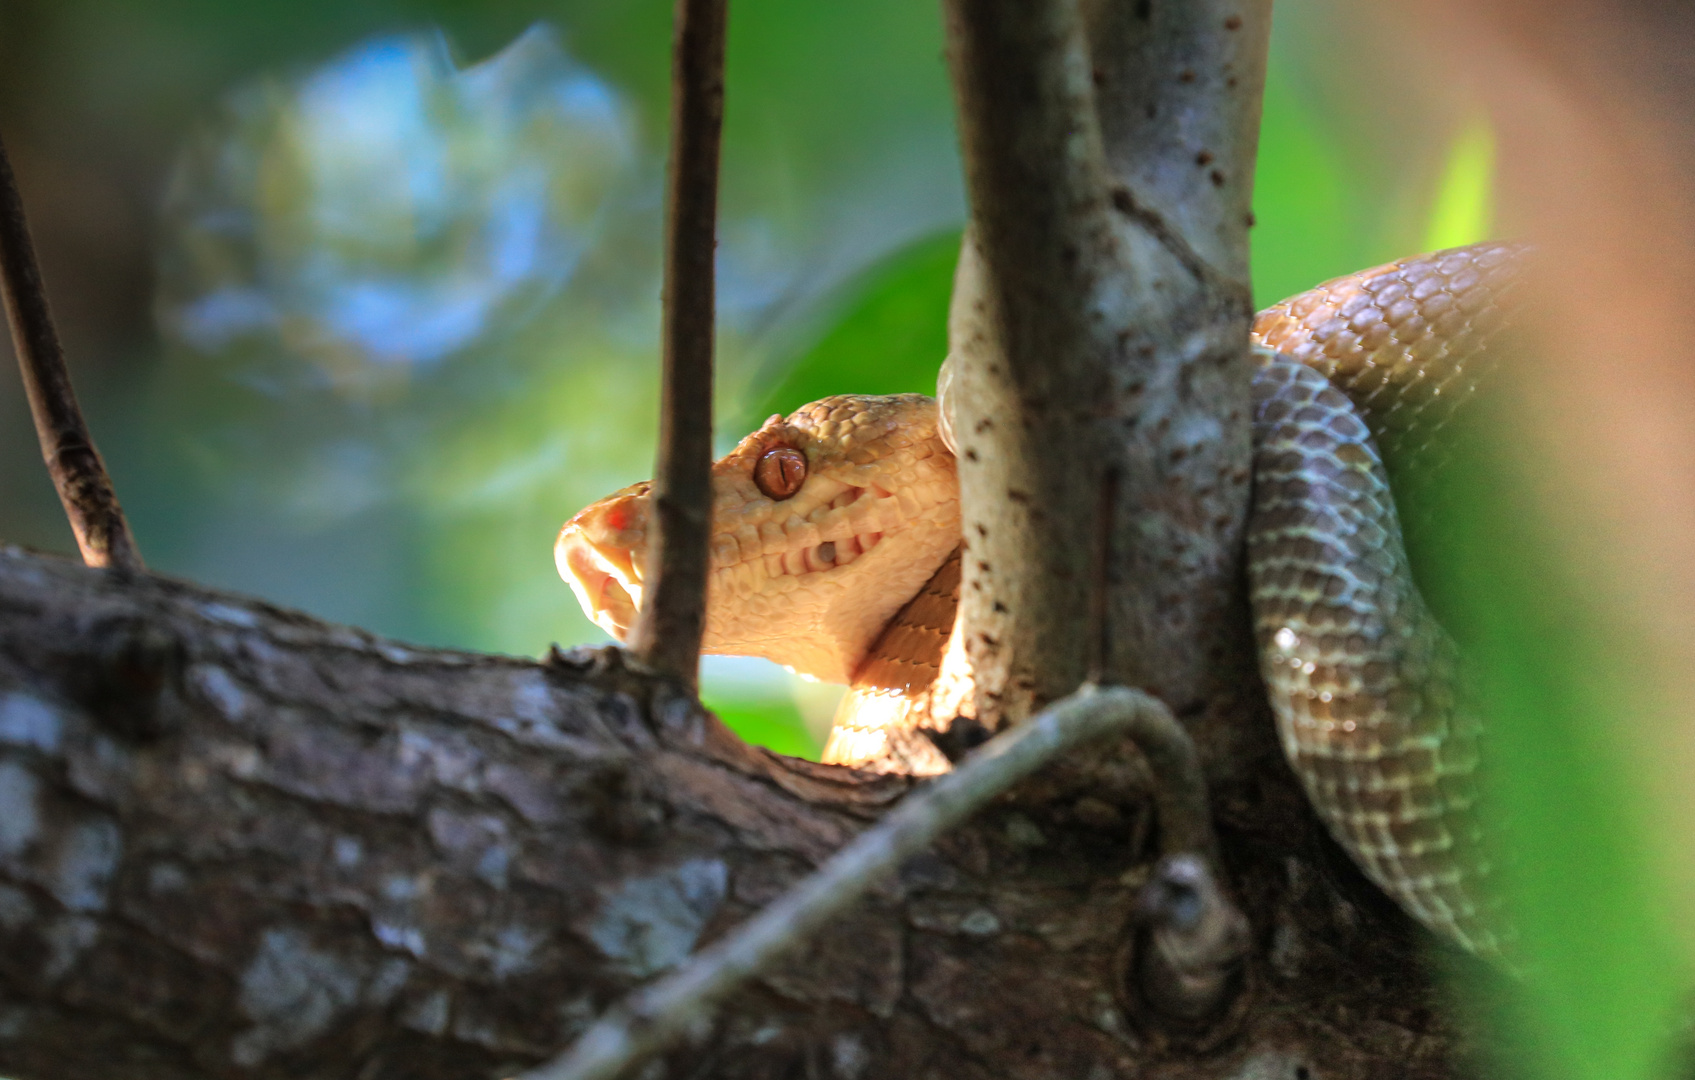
[835, 533]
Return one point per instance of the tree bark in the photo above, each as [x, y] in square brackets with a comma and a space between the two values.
[235, 841]
[1099, 350]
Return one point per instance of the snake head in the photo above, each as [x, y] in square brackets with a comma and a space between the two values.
[824, 523]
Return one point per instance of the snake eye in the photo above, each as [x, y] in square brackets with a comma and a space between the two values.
[780, 472]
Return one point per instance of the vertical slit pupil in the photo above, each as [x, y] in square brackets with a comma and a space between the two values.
[780, 472]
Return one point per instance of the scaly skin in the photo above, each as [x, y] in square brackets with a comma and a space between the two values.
[809, 581]
[1364, 682]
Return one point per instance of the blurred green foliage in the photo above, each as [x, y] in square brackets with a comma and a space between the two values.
[418, 494]
[889, 336]
[1604, 985]
[1601, 984]
[1463, 210]
[775, 725]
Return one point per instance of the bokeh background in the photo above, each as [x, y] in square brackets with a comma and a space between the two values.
[362, 299]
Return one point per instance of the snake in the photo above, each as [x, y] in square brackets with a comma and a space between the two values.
[835, 551]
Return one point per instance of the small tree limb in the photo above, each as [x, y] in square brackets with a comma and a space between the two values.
[674, 609]
[1035, 312]
[78, 474]
[649, 1020]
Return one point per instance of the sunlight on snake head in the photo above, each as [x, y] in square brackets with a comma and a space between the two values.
[823, 524]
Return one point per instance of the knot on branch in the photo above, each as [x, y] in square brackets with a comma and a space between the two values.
[1185, 969]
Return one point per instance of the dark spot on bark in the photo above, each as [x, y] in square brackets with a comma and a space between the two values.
[617, 807]
[1234, 22]
[1187, 75]
[1000, 608]
[982, 425]
[1022, 498]
[132, 687]
[1099, 76]
[1204, 158]
[963, 735]
[1122, 201]
[1217, 178]
[982, 566]
[1249, 220]
[982, 530]
[1230, 82]
[970, 453]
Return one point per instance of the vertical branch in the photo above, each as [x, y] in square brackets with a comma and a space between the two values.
[72, 461]
[674, 612]
[1099, 324]
[1029, 341]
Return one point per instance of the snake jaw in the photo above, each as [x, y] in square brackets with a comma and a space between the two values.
[596, 554]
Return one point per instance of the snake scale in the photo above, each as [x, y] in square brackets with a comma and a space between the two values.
[836, 530]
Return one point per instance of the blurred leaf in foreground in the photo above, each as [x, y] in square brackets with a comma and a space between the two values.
[1463, 211]
[1557, 673]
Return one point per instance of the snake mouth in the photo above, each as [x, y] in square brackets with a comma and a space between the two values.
[605, 578]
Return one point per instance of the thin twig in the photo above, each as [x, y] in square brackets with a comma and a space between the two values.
[72, 461]
[674, 609]
[649, 1020]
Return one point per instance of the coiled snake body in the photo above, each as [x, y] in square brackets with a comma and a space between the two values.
[834, 551]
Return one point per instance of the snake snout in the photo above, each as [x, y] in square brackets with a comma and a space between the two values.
[605, 578]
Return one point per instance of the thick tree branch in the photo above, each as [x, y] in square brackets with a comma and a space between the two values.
[237, 842]
[674, 609]
[78, 474]
[658, 1015]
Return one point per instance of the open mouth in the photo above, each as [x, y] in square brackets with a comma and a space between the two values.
[607, 583]
[593, 555]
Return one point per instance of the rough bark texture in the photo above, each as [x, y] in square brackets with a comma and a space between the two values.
[235, 841]
[1099, 335]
